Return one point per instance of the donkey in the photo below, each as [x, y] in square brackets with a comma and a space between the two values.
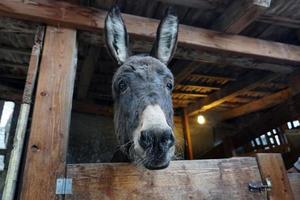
[141, 88]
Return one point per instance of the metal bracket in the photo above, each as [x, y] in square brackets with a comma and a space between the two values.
[259, 186]
[63, 186]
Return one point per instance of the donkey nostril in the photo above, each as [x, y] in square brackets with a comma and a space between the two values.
[145, 139]
[167, 138]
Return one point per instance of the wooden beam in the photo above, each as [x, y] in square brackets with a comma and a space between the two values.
[263, 103]
[294, 179]
[264, 122]
[280, 21]
[185, 72]
[248, 52]
[229, 92]
[212, 77]
[196, 179]
[189, 94]
[202, 4]
[196, 87]
[47, 146]
[266, 101]
[16, 153]
[187, 135]
[272, 167]
[87, 72]
[240, 14]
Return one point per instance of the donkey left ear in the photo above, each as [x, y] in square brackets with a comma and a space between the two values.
[166, 37]
[116, 35]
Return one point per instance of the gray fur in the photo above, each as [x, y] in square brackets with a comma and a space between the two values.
[147, 79]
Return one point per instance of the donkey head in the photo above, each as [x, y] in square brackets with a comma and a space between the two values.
[142, 87]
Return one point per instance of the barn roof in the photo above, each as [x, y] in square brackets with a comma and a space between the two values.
[216, 80]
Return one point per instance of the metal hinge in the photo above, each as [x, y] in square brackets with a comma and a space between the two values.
[260, 186]
[63, 186]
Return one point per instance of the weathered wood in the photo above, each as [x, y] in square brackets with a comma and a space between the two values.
[187, 134]
[202, 4]
[264, 122]
[15, 157]
[197, 87]
[263, 103]
[271, 166]
[294, 179]
[198, 179]
[280, 21]
[190, 94]
[46, 153]
[211, 43]
[185, 72]
[210, 77]
[240, 14]
[87, 72]
[229, 92]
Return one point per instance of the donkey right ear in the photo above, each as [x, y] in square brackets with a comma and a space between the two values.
[116, 35]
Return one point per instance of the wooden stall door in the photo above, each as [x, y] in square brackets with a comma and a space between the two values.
[198, 179]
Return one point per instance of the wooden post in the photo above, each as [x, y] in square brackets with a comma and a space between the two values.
[271, 166]
[47, 146]
[187, 135]
[15, 158]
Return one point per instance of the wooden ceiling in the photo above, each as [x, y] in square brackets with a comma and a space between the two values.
[228, 63]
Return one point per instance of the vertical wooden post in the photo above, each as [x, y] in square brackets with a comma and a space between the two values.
[271, 166]
[187, 135]
[15, 157]
[47, 146]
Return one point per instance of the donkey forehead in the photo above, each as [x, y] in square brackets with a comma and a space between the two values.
[144, 67]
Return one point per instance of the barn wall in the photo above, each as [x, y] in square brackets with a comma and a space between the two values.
[202, 137]
[92, 139]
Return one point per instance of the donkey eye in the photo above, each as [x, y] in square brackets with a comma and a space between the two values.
[122, 86]
[170, 86]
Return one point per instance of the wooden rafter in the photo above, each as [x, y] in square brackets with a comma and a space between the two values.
[229, 92]
[65, 14]
[197, 87]
[280, 21]
[240, 14]
[189, 94]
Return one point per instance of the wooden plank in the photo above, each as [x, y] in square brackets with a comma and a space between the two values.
[16, 152]
[47, 146]
[229, 92]
[212, 77]
[197, 179]
[189, 94]
[271, 166]
[87, 72]
[263, 103]
[187, 135]
[264, 122]
[65, 14]
[280, 21]
[196, 87]
[294, 179]
[240, 14]
[185, 72]
[202, 4]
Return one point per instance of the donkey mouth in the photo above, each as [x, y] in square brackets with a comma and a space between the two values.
[157, 167]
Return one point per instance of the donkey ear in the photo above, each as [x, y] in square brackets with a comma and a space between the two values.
[166, 37]
[116, 35]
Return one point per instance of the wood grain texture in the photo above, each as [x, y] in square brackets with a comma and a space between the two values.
[16, 153]
[68, 15]
[271, 166]
[199, 179]
[294, 179]
[240, 14]
[187, 134]
[229, 92]
[46, 152]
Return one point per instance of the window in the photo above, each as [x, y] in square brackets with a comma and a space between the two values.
[1, 162]
[5, 122]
